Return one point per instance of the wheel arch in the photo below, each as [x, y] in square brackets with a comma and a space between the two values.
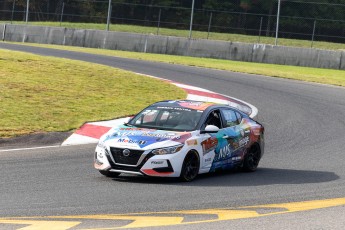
[255, 145]
[185, 171]
[195, 152]
[252, 158]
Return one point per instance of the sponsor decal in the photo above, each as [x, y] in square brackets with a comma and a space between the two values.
[175, 108]
[133, 129]
[209, 144]
[232, 148]
[129, 141]
[208, 160]
[171, 136]
[157, 162]
[124, 134]
[145, 137]
[244, 141]
[224, 152]
[192, 142]
[195, 105]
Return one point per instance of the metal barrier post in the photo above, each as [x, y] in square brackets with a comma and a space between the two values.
[312, 37]
[159, 20]
[4, 33]
[62, 10]
[27, 11]
[109, 15]
[209, 26]
[13, 5]
[277, 28]
[260, 29]
[191, 20]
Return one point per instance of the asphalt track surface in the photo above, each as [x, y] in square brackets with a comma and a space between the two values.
[304, 158]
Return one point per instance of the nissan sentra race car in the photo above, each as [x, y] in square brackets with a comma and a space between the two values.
[181, 139]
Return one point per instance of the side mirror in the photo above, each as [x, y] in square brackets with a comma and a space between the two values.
[210, 129]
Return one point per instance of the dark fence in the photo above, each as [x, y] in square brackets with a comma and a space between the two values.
[314, 20]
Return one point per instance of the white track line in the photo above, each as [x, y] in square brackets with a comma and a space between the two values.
[22, 149]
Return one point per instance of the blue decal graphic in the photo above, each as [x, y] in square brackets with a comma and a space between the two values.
[229, 150]
[145, 137]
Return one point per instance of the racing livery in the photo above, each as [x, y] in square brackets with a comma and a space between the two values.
[181, 139]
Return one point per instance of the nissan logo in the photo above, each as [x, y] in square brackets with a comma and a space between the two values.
[126, 152]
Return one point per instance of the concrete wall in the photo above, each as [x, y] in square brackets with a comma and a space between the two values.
[174, 45]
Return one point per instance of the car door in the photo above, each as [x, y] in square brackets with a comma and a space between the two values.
[230, 148]
[237, 136]
[224, 149]
[210, 141]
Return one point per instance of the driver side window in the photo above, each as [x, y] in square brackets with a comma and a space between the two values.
[213, 118]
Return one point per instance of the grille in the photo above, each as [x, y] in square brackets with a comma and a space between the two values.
[131, 159]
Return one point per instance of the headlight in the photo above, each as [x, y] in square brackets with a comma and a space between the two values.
[168, 150]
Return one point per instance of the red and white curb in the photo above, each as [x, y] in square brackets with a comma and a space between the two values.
[91, 132]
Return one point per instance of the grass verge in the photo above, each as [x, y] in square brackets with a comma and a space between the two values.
[317, 75]
[196, 34]
[42, 94]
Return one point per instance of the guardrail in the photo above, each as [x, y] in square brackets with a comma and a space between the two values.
[260, 53]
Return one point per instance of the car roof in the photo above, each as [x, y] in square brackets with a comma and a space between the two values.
[190, 104]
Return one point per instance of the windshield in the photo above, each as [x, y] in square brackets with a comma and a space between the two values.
[167, 118]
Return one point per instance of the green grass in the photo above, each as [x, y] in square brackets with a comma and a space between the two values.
[43, 94]
[195, 34]
[325, 76]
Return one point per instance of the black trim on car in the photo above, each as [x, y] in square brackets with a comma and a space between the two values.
[129, 168]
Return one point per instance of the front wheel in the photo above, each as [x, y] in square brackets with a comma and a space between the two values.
[251, 160]
[190, 167]
[109, 173]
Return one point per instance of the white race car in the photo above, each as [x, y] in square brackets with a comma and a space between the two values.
[181, 139]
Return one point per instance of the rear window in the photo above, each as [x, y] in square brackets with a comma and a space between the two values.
[231, 117]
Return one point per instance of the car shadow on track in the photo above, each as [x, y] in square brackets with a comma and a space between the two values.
[263, 176]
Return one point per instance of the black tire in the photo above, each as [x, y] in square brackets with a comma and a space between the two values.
[109, 174]
[190, 167]
[252, 159]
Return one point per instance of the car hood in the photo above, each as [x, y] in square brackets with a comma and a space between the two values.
[143, 139]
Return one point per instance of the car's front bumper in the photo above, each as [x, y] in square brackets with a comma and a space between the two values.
[148, 164]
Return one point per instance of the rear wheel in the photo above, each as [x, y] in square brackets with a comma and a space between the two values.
[190, 167]
[109, 174]
[251, 160]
